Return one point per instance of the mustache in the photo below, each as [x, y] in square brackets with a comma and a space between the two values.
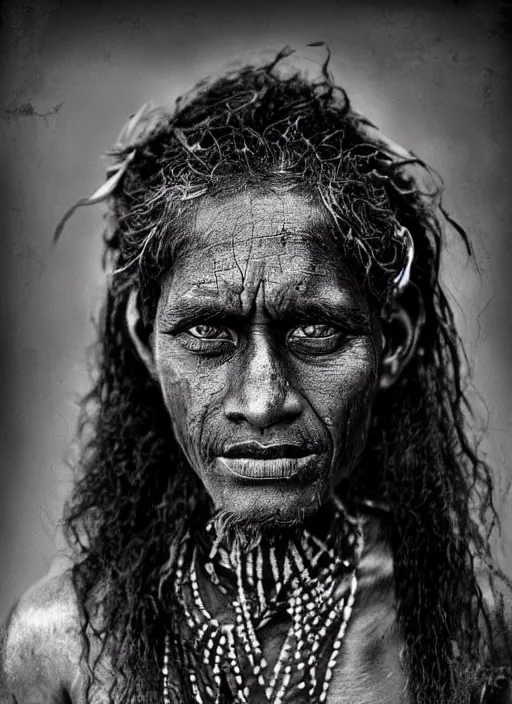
[216, 438]
[274, 443]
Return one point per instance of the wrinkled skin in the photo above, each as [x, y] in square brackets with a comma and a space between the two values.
[299, 360]
[44, 645]
[262, 334]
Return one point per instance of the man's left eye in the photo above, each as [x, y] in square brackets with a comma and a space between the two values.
[313, 332]
[315, 339]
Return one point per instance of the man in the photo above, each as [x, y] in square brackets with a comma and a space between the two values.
[277, 492]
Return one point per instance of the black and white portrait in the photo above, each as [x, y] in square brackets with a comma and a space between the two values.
[256, 353]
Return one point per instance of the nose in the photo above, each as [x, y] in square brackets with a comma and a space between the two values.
[260, 392]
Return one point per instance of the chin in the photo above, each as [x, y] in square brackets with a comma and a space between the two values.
[255, 510]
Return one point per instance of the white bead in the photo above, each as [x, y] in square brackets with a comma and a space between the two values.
[314, 609]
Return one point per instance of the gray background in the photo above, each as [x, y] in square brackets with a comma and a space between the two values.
[435, 76]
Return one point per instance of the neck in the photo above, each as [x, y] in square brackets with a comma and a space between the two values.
[273, 564]
[230, 530]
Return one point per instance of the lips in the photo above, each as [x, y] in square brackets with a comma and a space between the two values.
[273, 461]
[259, 451]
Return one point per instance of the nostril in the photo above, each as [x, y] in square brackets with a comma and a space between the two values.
[235, 416]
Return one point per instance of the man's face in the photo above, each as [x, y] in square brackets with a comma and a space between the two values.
[266, 354]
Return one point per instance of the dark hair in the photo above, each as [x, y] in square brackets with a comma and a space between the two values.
[265, 127]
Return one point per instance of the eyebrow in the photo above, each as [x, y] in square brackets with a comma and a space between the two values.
[346, 314]
[187, 312]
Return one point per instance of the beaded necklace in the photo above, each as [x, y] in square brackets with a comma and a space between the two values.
[309, 579]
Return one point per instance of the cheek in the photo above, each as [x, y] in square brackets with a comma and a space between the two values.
[333, 385]
[341, 392]
[191, 391]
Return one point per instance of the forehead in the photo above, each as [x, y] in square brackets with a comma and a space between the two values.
[239, 244]
[258, 213]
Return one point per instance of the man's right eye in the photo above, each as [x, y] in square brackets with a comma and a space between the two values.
[210, 332]
[208, 339]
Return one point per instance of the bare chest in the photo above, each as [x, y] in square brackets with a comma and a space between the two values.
[368, 668]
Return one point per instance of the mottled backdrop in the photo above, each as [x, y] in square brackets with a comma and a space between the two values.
[436, 76]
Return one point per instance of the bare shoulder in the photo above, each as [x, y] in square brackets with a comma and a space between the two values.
[43, 642]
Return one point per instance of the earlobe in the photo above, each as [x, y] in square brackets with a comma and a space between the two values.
[401, 329]
[135, 326]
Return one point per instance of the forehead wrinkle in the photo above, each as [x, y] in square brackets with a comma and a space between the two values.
[255, 269]
[299, 235]
[309, 242]
[213, 217]
[210, 290]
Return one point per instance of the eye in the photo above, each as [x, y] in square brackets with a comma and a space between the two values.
[315, 339]
[209, 332]
[208, 340]
[313, 331]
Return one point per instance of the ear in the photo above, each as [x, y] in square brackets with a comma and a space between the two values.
[140, 338]
[401, 324]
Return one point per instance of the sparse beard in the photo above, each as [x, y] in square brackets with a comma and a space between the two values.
[246, 532]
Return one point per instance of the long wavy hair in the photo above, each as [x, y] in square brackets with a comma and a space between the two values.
[265, 126]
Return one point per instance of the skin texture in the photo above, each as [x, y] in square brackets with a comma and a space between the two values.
[42, 665]
[44, 643]
[262, 335]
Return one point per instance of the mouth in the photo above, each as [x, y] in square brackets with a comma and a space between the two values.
[276, 461]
